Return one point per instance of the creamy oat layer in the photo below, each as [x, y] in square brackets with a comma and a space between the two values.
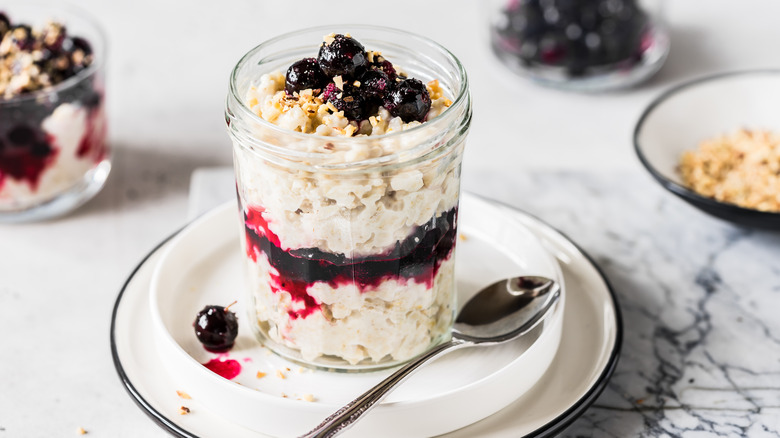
[360, 215]
[741, 168]
[398, 319]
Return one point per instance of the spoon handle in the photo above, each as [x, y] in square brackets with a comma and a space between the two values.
[345, 417]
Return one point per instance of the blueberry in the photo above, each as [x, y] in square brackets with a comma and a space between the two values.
[350, 101]
[374, 85]
[79, 43]
[385, 67]
[343, 56]
[21, 136]
[409, 100]
[216, 328]
[304, 74]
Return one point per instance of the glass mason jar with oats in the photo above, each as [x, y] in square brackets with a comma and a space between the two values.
[53, 150]
[347, 153]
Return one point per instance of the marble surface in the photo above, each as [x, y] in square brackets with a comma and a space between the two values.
[166, 82]
[701, 350]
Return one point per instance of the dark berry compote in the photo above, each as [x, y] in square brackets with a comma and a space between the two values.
[52, 124]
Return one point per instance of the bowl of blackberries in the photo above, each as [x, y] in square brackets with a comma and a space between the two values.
[585, 45]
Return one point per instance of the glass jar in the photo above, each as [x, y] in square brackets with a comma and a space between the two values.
[53, 152]
[586, 45]
[349, 241]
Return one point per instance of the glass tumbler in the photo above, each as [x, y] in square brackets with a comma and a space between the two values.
[53, 151]
[349, 242]
[584, 45]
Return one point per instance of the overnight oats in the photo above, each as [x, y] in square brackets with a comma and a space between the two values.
[347, 160]
[53, 154]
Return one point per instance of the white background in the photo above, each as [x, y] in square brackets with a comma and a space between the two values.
[167, 78]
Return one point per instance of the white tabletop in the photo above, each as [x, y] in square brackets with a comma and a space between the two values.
[168, 70]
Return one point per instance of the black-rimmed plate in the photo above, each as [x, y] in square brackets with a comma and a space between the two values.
[592, 333]
[701, 109]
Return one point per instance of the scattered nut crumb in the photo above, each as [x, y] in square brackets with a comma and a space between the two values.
[183, 395]
[284, 395]
[81, 431]
[300, 370]
[260, 374]
[184, 410]
[308, 397]
[280, 374]
[462, 237]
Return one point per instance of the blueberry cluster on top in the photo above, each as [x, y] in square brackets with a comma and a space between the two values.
[358, 82]
[575, 35]
[36, 58]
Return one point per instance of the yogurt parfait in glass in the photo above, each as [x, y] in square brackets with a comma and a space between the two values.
[53, 152]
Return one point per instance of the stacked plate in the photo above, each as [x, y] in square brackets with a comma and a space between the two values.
[536, 385]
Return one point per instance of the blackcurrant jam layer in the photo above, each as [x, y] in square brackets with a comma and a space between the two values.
[27, 150]
[418, 258]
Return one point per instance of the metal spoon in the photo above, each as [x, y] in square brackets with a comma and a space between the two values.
[501, 312]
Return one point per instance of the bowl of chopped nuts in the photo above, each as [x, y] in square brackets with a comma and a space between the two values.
[715, 142]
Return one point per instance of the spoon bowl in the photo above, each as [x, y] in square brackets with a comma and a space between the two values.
[501, 312]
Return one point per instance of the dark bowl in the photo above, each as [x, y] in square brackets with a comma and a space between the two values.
[682, 117]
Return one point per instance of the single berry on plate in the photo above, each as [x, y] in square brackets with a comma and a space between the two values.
[374, 85]
[409, 100]
[350, 101]
[342, 56]
[216, 328]
[304, 74]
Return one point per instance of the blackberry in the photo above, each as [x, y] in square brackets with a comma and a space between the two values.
[216, 328]
[343, 56]
[374, 85]
[304, 74]
[350, 101]
[409, 100]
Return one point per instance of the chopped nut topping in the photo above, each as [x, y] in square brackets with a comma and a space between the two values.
[339, 81]
[32, 59]
[329, 38]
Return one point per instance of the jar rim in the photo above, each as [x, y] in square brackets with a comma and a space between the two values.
[461, 95]
[98, 60]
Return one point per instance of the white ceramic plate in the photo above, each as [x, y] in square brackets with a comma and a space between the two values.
[203, 265]
[587, 355]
